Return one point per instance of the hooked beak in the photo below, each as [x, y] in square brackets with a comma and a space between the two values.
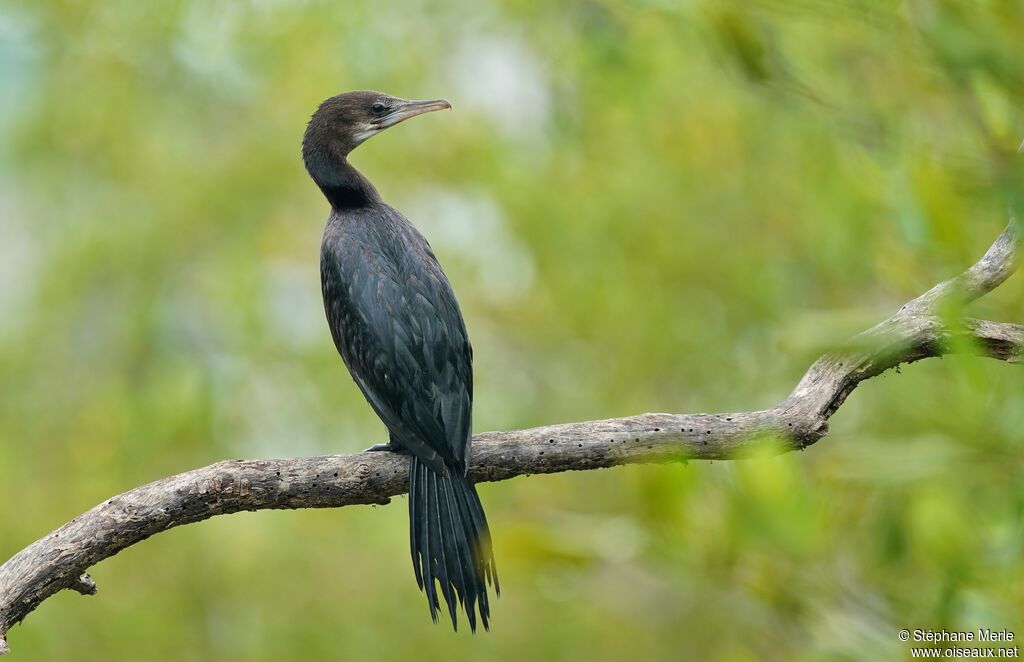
[407, 109]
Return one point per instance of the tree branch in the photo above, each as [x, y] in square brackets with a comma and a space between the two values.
[917, 331]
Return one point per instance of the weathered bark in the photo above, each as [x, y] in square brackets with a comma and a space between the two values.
[916, 331]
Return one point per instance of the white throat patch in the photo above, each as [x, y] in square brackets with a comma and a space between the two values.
[365, 131]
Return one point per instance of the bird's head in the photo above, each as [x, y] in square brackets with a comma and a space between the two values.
[345, 121]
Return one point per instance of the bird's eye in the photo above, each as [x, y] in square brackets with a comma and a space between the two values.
[378, 108]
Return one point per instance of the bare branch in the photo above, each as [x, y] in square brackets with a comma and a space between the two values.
[60, 560]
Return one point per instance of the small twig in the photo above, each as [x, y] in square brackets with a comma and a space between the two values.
[84, 585]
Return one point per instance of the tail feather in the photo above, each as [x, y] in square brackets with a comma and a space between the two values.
[421, 542]
[416, 521]
[479, 563]
[460, 567]
[450, 543]
[466, 567]
[473, 512]
[440, 545]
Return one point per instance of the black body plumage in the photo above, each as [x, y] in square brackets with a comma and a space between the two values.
[397, 325]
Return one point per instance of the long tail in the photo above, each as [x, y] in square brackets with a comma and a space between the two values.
[450, 542]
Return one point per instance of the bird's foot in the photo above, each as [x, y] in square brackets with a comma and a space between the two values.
[385, 447]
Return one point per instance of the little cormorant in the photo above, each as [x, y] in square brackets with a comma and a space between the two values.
[399, 329]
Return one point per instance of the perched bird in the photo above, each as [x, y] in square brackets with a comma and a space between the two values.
[399, 329]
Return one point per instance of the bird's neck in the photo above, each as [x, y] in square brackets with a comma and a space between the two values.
[343, 185]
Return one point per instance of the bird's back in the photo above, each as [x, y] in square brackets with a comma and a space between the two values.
[398, 326]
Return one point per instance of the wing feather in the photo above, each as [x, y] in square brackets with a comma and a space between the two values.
[397, 324]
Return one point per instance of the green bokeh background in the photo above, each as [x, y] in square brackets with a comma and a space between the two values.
[646, 206]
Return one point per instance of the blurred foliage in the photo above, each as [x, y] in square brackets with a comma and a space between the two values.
[646, 206]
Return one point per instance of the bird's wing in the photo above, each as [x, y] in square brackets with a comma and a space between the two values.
[401, 333]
